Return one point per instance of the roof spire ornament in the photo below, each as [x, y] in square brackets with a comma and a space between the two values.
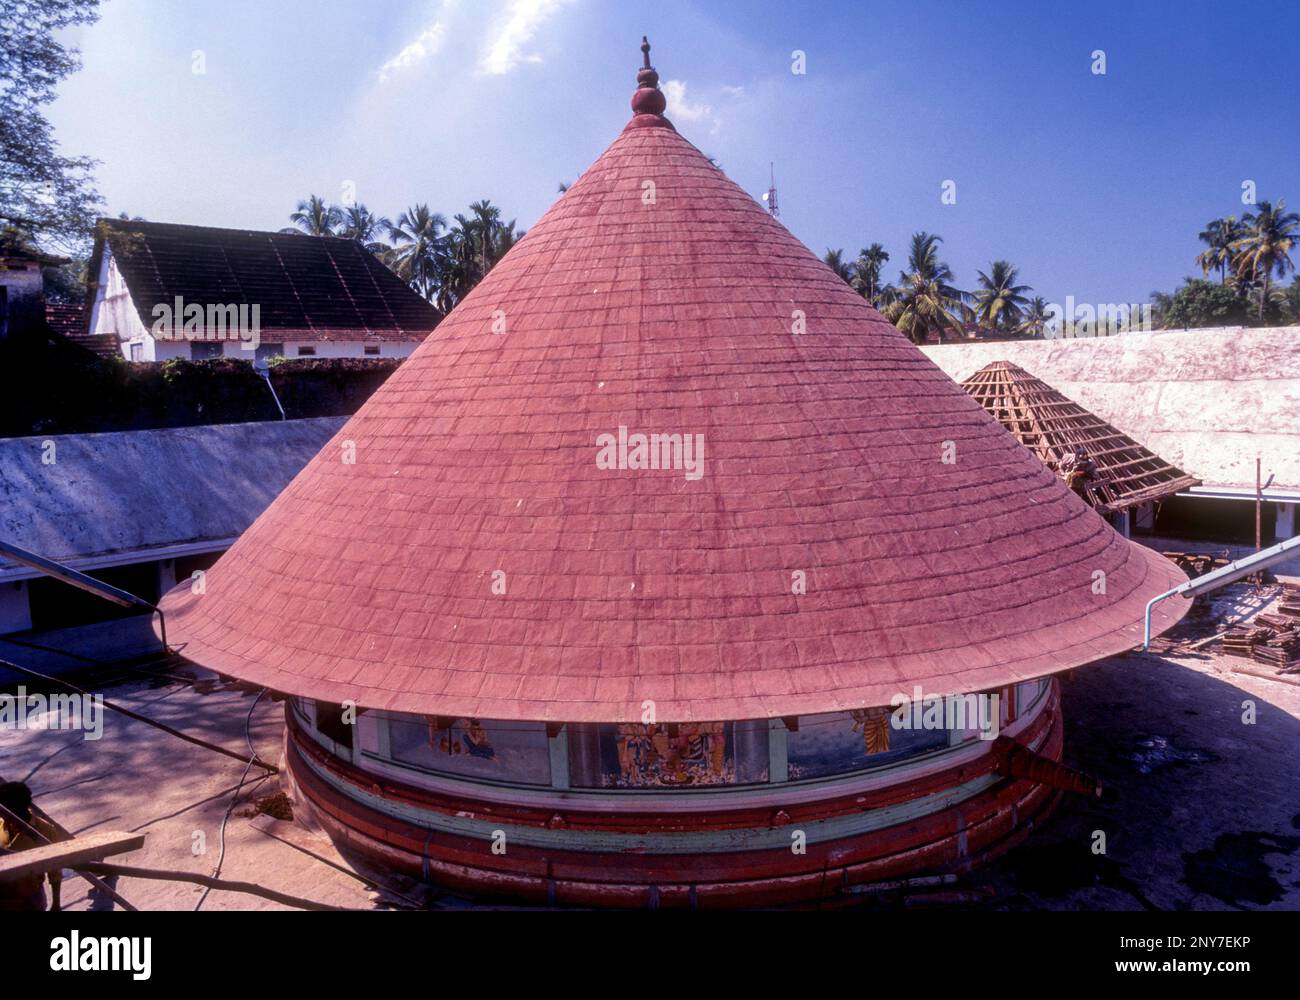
[648, 99]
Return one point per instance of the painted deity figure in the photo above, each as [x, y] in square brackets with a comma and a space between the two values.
[873, 723]
[684, 754]
[462, 736]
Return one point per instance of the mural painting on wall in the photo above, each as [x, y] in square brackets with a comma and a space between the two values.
[465, 736]
[661, 755]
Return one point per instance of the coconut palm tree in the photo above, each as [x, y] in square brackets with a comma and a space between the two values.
[999, 302]
[1218, 237]
[420, 251]
[834, 259]
[865, 277]
[925, 299]
[505, 238]
[485, 222]
[1035, 319]
[362, 225]
[314, 218]
[464, 262]
[1264, 249]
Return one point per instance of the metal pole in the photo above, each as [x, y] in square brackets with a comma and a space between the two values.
[1259, 500]
[68, 575]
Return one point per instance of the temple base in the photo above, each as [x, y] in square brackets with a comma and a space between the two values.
[951, 820]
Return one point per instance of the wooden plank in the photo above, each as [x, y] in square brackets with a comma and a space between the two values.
[68, 853]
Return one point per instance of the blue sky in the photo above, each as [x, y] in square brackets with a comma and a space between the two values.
[1094, 185]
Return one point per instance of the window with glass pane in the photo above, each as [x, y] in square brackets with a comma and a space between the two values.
[839, 742]
[682, 755]
[514, 752]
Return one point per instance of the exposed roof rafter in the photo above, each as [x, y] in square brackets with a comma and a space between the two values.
[1051, 426]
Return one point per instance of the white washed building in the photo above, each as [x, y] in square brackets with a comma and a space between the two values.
[196, 292]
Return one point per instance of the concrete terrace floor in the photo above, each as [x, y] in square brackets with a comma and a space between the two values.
[1200, 812]
[138, 778]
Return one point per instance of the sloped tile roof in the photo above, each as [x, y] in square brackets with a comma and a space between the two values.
[658, 296]
[68, 320]
[307, 288]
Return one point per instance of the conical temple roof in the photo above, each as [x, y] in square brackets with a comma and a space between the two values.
[860, 525]
[1052, 425]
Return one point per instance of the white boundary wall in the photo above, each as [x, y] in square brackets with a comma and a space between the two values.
[1208, 401]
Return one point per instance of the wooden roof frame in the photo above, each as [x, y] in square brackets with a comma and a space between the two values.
[1051, 425]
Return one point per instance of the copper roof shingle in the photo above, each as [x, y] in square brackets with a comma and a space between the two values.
[306, 288]
[658, 296]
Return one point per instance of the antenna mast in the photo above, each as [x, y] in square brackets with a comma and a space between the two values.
[770, 197]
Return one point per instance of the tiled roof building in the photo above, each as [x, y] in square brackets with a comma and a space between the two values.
[326, 294]
[69, 320]
[498, 567]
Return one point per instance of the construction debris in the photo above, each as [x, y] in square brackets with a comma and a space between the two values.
[1196, 564]
[1272, 638]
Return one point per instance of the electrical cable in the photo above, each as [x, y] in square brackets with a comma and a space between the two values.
[252, 758]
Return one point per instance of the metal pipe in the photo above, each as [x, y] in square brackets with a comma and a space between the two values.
[70, 576]
[1221, 577]
[1259, 507]
[262, 368]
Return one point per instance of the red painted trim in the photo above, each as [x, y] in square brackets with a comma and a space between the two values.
[744, 815]
[954, 839]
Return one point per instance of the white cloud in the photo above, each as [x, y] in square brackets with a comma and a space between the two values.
[505, 46]
[685, 110]
[425, 46]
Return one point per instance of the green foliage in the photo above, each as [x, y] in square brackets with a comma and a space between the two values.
[442, 264]
[1201, 303]
[173, 369]
[865, 272]
[315, 218]
[67, 390]
[1000, 303]
[1293, 300]
[45, 198]
[1264, 249]
[65, 284]
[1248, 255]
[834, 259]
[1036, 316]
[926, 301]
